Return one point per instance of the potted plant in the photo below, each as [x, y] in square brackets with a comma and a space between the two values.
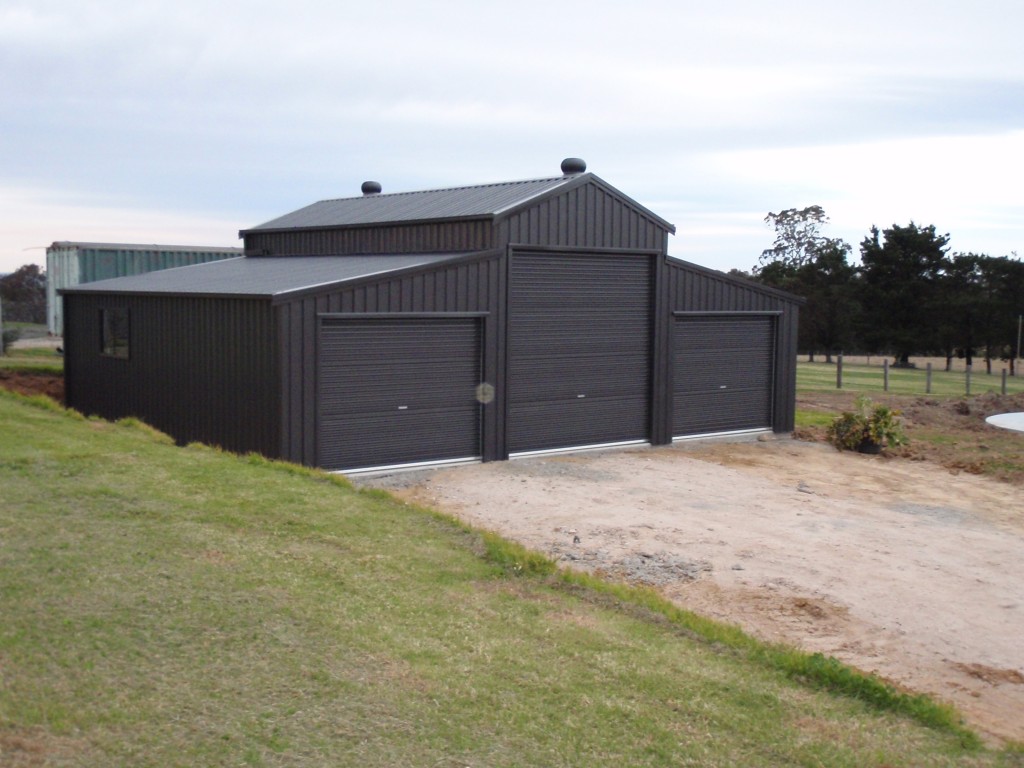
[868, 429]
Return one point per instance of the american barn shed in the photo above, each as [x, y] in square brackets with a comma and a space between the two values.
[472, 323]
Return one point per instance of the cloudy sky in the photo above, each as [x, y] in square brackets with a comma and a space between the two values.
[181, 122]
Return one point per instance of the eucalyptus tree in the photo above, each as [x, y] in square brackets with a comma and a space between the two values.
[804, 261]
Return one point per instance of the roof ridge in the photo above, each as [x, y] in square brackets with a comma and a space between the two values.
[452, 189]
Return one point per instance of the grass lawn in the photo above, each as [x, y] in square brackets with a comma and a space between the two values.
[168, 606]
[34, 360]
[44, 360]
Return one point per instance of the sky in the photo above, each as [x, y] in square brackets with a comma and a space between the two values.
[183, 121]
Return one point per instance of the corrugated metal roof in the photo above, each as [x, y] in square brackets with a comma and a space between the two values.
[262, 276]
[457, 202]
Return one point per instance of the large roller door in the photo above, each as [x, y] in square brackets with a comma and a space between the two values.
[723, 373]
[579, 367]
[398, 391]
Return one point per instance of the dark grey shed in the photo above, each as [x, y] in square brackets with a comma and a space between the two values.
[467, 323]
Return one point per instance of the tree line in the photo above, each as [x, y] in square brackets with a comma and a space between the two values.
[908, 295]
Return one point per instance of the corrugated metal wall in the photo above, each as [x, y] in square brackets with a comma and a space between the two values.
[62, 271]
[476, 286]
[71, 264]
[199, 369]
[107, 263]
[437, 237]
[587, 216]
[697, 289]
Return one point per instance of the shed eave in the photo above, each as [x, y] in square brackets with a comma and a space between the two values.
[737, 280]
[291, 294]
[76, 291]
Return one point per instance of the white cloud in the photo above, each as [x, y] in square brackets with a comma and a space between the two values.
[710, 114]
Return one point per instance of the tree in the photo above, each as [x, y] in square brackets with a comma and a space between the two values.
[832, 306]
[1002, 285]
[24, 295]
[805, 262]
[960, 295]
[902, 269]
[798, 237]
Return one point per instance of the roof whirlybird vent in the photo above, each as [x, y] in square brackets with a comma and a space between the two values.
[573, 165]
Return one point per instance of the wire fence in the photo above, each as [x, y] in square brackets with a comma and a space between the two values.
[926, 379]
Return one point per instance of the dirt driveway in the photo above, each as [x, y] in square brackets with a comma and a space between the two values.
[896, 567]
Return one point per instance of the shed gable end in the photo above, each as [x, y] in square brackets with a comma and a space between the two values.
[588, 215]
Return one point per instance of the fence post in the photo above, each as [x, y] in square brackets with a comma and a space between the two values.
[839, 371]
[1004, 381]
[928, 380]
[885, 375]
[968, 377]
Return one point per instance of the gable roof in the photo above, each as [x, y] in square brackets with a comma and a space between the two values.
[262, 277]
[480, 201]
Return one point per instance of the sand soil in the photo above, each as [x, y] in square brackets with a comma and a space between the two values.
[900, 568]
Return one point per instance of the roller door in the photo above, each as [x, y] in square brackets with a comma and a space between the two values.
[723, 373]
[397, 391]
[579, 356]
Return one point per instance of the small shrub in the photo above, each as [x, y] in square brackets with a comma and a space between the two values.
[869, 425]
[9, 336]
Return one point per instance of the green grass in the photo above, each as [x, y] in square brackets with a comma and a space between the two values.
[168, 606]
[819, 377]
[32, 360]
[808, 418]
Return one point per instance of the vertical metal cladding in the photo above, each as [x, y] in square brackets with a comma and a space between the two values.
[199, 369]
[439, 237]
[696, 289]
[587, 216]
[62, 271]
[471, 287]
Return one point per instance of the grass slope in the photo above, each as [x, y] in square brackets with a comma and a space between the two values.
[164, 606]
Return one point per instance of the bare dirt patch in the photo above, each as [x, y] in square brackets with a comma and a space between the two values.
[897, 567]
[27, 383]
[33, 748]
